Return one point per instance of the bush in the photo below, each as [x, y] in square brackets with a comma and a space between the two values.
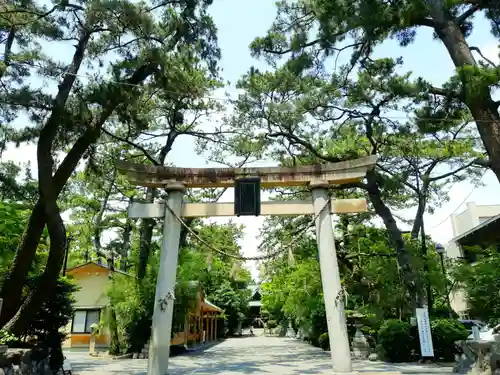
[55, 313]
[444, 334]
[281, 330]
[133, 307]
[399, 342]
[271, 324]
[324, 341]
[395, 342]
[7, 338]
[443, 312]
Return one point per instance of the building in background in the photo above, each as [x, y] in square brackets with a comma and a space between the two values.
[478, 225]
[91, 300]
[203, 324]
[254, 307]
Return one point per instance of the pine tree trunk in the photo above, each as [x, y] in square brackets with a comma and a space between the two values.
[16, 279]
[419, 217]
[25, 254]
[100, 215]
[488, 125]
[146, 234]
[46, 209]
[147, 226]
[114, 344]
[477, 97]
[124, 254]
[48, 196]
[404, 259]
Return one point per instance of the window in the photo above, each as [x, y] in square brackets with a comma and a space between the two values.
[83, 320]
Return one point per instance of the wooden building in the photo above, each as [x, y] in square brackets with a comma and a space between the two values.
[202, 324]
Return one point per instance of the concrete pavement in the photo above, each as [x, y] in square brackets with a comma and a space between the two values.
[246, 355]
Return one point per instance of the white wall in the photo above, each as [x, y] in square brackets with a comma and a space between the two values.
[472, 217]
[461, 223]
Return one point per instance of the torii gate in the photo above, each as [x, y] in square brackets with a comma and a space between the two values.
[317, 177]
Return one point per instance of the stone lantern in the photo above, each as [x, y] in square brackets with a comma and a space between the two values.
[360, 346]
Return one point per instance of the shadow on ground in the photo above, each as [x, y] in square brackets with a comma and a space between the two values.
[246, 355]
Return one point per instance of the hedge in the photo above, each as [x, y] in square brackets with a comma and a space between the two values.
[398, 341]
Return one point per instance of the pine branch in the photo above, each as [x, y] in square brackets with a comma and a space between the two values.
[130, 143]
[468, 13]
[476, 49]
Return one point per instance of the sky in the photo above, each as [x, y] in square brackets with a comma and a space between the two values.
[239, 22]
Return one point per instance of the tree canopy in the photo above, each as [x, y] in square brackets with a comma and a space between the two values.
[140, 76]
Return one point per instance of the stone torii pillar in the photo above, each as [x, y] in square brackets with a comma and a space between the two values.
[161, 328]
[330, 279]
[317, 177]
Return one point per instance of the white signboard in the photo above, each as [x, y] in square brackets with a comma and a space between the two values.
[424, 332]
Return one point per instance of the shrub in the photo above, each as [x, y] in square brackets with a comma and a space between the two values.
[443, 312]
[281, 330]
[398, 341]
[6, 338]
[318, 325]
[395, 342]
[271, 324]
[324, 341]
[444, 334]
[55, 313]
[133, 305]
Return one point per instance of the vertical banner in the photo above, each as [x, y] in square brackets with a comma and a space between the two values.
[424, 332]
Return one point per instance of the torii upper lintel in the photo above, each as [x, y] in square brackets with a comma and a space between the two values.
[333, 173]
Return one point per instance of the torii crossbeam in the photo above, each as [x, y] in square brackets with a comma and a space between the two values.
[270, 177]
[317, 177]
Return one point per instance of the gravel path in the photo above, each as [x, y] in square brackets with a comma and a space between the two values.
[246, 355]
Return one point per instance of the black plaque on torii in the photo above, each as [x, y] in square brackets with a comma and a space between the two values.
[247, 196]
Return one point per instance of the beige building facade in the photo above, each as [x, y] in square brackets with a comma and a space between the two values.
[464, 224]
